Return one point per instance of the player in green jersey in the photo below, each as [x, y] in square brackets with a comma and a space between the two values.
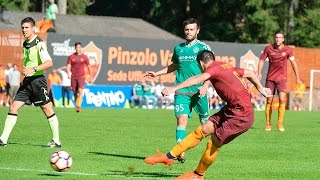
[34, 86]
[184, 62]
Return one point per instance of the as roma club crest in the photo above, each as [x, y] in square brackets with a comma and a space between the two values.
[95, 59]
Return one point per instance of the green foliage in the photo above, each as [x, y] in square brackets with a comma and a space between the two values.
[17, 5]
[260, 22]
[77, 7]
[246, 21]
[307, 28]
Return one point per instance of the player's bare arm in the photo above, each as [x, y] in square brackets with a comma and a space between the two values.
[204, 88]
[29, 71]
[89, 71]
[252, 77]
[69, 70]
[260, 66]
[189, 82]
[171, 68]
[296, 71]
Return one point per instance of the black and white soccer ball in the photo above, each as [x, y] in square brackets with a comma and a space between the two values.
[60, 161]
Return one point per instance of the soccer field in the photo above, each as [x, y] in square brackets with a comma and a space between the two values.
[112, 143]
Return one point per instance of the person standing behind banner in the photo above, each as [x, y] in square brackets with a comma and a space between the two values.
[7, 71]
[53, 78]
[75, 69]
[2, 85]
[298, 98]
[158, 93]
[66, 87]
[137, 94]
[14, 80]
[148, 94]
[51, 12]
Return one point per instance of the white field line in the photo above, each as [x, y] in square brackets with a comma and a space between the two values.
[79, 173]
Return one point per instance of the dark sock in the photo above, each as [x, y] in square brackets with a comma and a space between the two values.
[169, 155]
[197, 173]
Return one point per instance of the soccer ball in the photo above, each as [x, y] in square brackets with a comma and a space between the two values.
[60, 161]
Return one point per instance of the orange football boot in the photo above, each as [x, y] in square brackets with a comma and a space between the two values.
[190, 176]
[159, 158]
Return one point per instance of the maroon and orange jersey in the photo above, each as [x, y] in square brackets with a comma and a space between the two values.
[78, 62]
[231, 88]
[278, 58]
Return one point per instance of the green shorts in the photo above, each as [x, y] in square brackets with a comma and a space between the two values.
[183, 104]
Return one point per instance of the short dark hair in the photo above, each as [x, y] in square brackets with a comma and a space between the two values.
[279, 32]
[77, 43]
[205, 56]
[28, 20]
[191, 21]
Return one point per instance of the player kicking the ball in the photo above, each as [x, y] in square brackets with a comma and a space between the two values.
[231, 121]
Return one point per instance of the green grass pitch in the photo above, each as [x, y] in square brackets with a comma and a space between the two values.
[112, 143]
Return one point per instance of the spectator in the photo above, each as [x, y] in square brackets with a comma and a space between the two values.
[163, 100]
[66, 87]
[137, 94]
[148, 88]
[169, 100]
[14, 81]
[53, 78]
[299, 89]
[213, 98]
[261, 100]
[7, 88]
[157, 92]
[51, 12]
[2, 85]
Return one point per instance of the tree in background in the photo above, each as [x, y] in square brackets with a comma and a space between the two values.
[245, 21]
[77, 7]
[306, 32]
[18, 5]
[260, 21]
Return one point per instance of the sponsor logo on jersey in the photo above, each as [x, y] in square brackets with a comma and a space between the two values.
[195, 50]
[187, 58]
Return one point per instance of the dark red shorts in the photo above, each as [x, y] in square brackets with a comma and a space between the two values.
[280, 86]
[77, 83]
[227, 127]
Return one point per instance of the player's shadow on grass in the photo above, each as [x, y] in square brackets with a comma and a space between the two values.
[26, 144]
[117, 155]
[132, 173]
[50, 175]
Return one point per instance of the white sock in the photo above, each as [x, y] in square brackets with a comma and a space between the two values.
[54, 125]
[8, 126]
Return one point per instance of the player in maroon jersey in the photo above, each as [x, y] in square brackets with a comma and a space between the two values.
[278, 55]
[231, 121]
[75, 69]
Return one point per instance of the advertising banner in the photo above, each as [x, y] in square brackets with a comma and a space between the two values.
[96, 96]
[115, 61]
[123, 61]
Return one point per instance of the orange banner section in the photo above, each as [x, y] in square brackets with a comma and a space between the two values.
[117, 55]
[11, 47]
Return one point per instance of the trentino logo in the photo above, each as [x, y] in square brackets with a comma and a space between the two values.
[101, 98]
